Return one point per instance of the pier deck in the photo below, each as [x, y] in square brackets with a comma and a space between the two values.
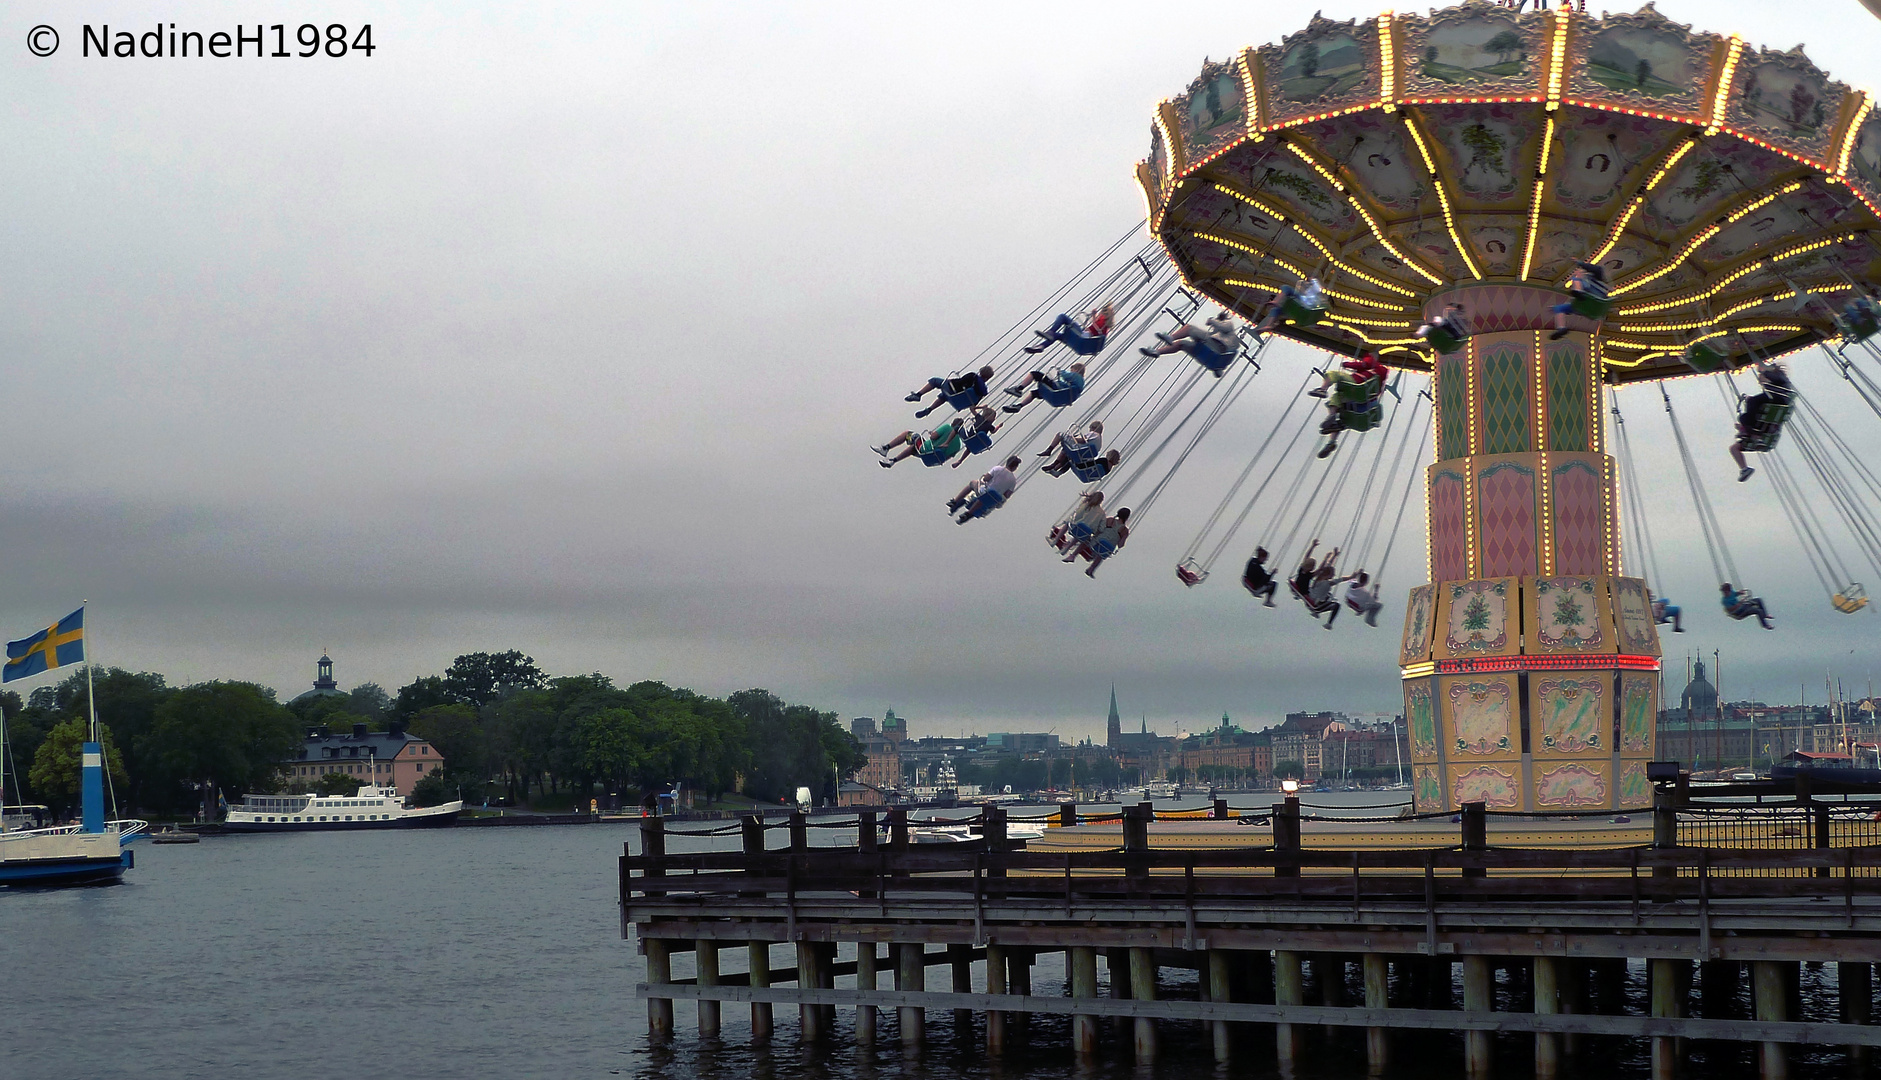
[1248, 917]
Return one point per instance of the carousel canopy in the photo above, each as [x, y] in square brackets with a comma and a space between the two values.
[1729, 192]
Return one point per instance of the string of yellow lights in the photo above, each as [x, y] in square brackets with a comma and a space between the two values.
[1443, 197]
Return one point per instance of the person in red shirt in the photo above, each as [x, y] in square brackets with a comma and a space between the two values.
[1085, 340]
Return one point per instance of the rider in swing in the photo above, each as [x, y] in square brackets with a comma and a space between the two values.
[1775, 389]
[1740, 604]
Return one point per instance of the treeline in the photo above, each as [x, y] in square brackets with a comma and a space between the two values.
[501, 724]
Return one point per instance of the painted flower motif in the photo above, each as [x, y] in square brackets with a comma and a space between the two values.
[1568, 612]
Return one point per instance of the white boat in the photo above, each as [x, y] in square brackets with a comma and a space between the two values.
[371, 807]
[95, 851]
[940, 832]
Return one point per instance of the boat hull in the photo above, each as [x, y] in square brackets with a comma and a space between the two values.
[412, 821]
[72, 871]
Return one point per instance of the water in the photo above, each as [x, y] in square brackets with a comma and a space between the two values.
[496, 952]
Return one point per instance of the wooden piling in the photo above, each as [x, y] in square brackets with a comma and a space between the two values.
[809, 1017]
[865, 980]
[1377, 996]
[995, 984]
[1855, 983]
[1329, 972]
[1664, 982]
[1143, 988]
[1220, 989]
[1082, 962]
[960, 960]
[1769, 988]
[1289, 989]
[659, 970]
[1573, 999]
[1117, 963]
[705, 953]
[1547, 983]
[911, 974]
[1478, 997]
[758, 959]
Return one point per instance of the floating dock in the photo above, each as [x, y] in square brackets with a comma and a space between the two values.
[1711, 895]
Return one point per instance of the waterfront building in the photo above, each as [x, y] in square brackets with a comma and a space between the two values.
[392, 758]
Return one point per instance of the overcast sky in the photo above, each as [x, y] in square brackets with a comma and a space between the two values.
[564, 329]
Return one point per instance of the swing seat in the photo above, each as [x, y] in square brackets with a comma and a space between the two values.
[1851, 599]
[935, 457]
[1079, 453]
[1760, 435]
[1589, 306]
[979, 442]
[1857, 324]
[1058, 396]
[1301, 313]
[1351, 394]
[1104, 548]
[1361, 417]
[1090, 472]
[1443, 341]
[1704, 359]
[986, 502]
[963, 392]
[1208, 357]
[1190, 573]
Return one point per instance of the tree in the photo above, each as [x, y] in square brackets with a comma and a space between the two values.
[1309, 59]
[435, 789]
[336, 783]
[481, 678]
[126, 702]
[792, 746]
[1503, 44]
[1289, 770]
[1642, 74]
[57, 772]
[457, 733]
[225, 734]
[421, 694]
[369, 700]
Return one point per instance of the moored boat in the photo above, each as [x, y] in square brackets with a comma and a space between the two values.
[371, 807]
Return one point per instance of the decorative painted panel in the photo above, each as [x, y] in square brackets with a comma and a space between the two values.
[1421, 720]
[1864, 163]
[1568, 615]
[1577, 492]
[1635, 790]
[1480, 715]
[1632, 608]
[1642, 61]
[1323, 68]
[1505, 516]
[1453, 407]
[1574, 786]
[1505, 398]
[1639, 706]
[1571, 713]
[1427, 789]
[1568, 400]
[1449, 525]
[1212, 115]
[1474, 49]
[1419, 616]
[1476, 618]
[1787, 101]
[1158, 161]
[1496, 783]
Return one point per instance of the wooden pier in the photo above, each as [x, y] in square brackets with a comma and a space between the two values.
[1769, 888]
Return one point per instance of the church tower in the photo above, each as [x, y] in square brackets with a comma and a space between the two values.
[323, 679]
[1113, 732]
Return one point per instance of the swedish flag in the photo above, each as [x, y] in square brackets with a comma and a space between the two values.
[56, 646]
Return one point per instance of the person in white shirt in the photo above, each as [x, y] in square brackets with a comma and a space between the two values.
[986, 494]
[1213, 344]
[1081, 525]
[1362, 597]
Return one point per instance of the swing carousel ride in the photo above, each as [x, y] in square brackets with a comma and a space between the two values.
[1516, 212]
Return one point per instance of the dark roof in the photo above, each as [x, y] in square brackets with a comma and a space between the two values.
[383, 745]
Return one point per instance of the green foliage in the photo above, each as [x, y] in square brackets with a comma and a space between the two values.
[369, 700]
[1289, 770]
[336, 783]
[231, 736]
[435, 789]
[1503, 44]
[1309, 59]
[792, 746]
[421, 694]
[57, 769]
[481, 678]
[458, 733]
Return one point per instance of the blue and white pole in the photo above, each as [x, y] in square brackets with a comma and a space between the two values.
[91, 787]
